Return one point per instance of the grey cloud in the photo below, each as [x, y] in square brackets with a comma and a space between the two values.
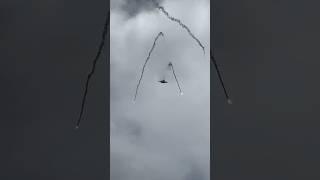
[196, 173]
[134, 7]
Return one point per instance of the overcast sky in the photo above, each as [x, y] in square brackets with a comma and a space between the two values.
[162, 135]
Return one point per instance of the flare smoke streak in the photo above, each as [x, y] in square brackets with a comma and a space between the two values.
[161, 8]
[94, 63]
[220, 77]
[171, 65]
[145, 63]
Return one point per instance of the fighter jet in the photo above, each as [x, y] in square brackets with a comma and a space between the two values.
[163, 81]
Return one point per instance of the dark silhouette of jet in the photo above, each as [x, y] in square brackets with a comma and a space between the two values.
[163, 81]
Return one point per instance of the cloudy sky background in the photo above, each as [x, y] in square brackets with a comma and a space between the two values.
[162, 135]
